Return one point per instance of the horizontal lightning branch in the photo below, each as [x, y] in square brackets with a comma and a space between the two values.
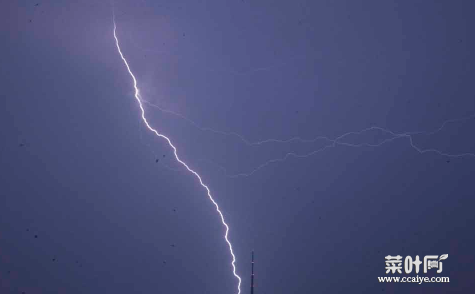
[339, 142]
[333, 142]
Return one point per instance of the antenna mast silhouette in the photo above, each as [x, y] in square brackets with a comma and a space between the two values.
[252, 272]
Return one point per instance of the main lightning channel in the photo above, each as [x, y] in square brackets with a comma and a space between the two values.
[138, 98]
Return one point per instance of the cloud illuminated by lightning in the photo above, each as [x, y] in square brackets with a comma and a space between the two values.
[144, 119]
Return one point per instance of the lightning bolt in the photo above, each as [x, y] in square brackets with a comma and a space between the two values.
[331, 143]
[144, 119]
[338, 142]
